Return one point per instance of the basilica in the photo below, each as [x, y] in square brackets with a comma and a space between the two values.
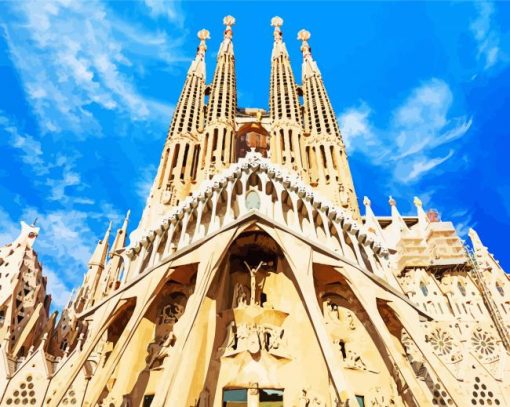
[253, 278]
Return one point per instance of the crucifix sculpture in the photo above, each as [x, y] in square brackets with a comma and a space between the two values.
[253, 272]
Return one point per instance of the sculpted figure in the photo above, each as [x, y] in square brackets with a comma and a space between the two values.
[253, 282]
[304, 400]
[240, 297]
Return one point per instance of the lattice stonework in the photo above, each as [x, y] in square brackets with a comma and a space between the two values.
[24, 394]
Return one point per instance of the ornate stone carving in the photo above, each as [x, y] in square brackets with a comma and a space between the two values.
[240, 297]
[254, 339]
[484, 345]
[310, 399]
[441, 341]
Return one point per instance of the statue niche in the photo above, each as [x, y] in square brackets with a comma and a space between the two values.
[253, 325]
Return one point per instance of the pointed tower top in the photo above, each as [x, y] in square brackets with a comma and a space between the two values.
[226, 46]
[310, 67]
[279, 48]
[423, 220]
[228, 21]
[475, 239]
[203, 35]
[128, 214]
[99, 255]
[27, 235]
[277, 22]
[392, 201]
[304, 36]
[371, 222]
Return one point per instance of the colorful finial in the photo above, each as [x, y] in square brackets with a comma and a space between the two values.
[203, 35]
[277, 22]
[228, 21]
[366, 201]
[304, 36]
[417, 202]
[392, 202]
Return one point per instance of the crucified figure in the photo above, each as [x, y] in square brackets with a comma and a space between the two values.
[253, 272]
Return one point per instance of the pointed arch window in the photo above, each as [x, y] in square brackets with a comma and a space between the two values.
[423, 288]
[500, 288]
[462, 288]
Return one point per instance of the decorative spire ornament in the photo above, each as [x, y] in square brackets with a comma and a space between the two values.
[277, 22]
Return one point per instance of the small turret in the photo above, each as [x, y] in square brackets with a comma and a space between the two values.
[371, 223]
[99, 256]
[423, 220]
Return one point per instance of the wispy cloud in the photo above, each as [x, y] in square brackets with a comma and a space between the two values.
[72, 58]
[145, 181]
[167, 9]
[463, 220]
[409, 145]
[60, 292]
[485, 34]
[9, 229]
[29, 148]
[66, 240]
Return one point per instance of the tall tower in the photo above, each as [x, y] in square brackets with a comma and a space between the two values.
[284, 109]
[178, 167]
[219, 135]
[324, 148]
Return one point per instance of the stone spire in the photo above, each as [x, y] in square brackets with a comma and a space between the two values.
[218, 141]
[423, 220]
[371, 223]
[324, 149]
[110, 280]
[287, 127]
[179, 160]
[99, 256]
[96, 265]
[120, 237]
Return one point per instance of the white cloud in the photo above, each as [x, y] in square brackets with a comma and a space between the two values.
[409, 145]
[60, 292]
[463, 220]
[30, 149]
[409, 172]
[9, 230]
[485, 34]
[144, 183]
[355, 125]
[167, 9]
[71, 56]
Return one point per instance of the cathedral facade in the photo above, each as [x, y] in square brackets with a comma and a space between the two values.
[253, 279]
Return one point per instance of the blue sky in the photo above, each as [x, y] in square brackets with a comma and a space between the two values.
[87, 91]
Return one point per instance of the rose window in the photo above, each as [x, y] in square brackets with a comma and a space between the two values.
[441, 341]
[483, 343]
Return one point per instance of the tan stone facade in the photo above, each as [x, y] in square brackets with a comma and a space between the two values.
[253, 280]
